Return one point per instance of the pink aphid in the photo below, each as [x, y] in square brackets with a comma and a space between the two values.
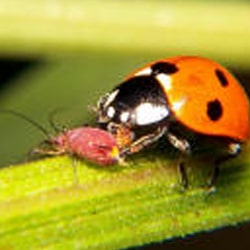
[92, 144]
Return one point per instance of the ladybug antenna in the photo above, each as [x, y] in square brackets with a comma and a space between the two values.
[93, 109]
[26, 118]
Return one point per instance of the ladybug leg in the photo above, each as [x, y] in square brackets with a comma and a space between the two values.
[232, 151]
[144, 141]
[123, 134]
[183, 175]
[179, 143]
[184, 146]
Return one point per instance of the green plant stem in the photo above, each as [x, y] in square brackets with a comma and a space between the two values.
[42, 205]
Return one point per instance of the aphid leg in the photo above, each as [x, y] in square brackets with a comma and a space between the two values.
[40, 151]
[232, 151]
[144, 141]
[46, 148]
[75, 172]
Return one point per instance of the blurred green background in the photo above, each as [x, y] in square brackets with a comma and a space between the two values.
[65, 54]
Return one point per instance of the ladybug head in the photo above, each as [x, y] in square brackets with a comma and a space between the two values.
[139, 101]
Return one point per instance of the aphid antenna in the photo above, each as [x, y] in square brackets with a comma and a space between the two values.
[52, 123]
[27, 119]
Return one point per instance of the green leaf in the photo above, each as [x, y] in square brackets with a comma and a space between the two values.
[45, 204]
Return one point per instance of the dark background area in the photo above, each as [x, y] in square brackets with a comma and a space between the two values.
[228, 238]
[13, 68]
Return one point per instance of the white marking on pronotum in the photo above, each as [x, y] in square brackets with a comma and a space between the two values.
[144, 72]
[111, 112]
[146, 113]
[124, 116]
[165, 81]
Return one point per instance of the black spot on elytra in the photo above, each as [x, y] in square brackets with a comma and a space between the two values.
[222, 78]
[164, 67]
[214, 110]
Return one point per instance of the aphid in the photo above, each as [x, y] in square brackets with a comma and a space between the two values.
[87, 143]
[175, 97]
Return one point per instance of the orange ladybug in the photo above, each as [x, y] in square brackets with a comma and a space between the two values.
[177, 96]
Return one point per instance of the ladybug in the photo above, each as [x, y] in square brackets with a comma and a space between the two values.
[176, 97]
